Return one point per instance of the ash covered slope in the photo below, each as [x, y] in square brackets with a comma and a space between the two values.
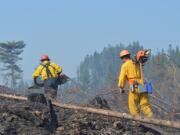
[82, 123]
[24, 118]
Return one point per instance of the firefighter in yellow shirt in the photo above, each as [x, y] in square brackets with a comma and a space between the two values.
[131, 72]
[49, 72]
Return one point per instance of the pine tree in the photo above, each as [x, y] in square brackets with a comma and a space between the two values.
[10, 56]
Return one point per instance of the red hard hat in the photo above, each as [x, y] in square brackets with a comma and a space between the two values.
[124, 53]
[44, 57]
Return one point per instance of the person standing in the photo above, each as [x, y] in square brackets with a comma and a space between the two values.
[49, 72]
[131, 72]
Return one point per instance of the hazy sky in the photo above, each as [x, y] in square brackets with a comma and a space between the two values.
[67, 30]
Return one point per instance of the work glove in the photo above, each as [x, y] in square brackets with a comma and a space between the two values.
[59, 74]
[121, 90]
[35, 81]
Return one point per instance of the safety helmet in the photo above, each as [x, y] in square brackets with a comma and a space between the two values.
[44, 57]
[124, 53]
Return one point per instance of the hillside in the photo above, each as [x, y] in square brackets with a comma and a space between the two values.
[27, 117]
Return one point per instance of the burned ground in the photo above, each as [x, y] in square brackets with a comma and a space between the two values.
[81, 123]
[23, 118]
[37, 117]
[28, 118]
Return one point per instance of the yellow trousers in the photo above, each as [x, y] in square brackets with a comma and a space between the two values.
[139, 99]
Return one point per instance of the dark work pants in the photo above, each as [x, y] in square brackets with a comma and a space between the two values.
[51, 87]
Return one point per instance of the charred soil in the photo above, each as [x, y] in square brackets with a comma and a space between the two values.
[40, 118]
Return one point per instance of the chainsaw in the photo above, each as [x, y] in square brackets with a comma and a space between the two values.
[142, 56]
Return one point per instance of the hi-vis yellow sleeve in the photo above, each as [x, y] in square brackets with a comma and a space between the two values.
[57, 68]
[122, 77]
[37, 72]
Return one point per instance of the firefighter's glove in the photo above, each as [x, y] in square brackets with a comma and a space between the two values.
[35, 81]
[122, 91]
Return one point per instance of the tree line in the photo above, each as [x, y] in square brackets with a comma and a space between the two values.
[101, 69]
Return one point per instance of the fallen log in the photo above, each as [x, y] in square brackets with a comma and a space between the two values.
[13, 97]
[153, 121]
[120, 115]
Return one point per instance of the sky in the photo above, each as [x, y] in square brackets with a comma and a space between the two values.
[67, 30]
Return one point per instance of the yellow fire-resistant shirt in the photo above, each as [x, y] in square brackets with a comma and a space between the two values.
[41, 70]
[130, 71]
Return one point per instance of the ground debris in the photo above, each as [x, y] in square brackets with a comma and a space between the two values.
[82, 123]
[24, 118]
